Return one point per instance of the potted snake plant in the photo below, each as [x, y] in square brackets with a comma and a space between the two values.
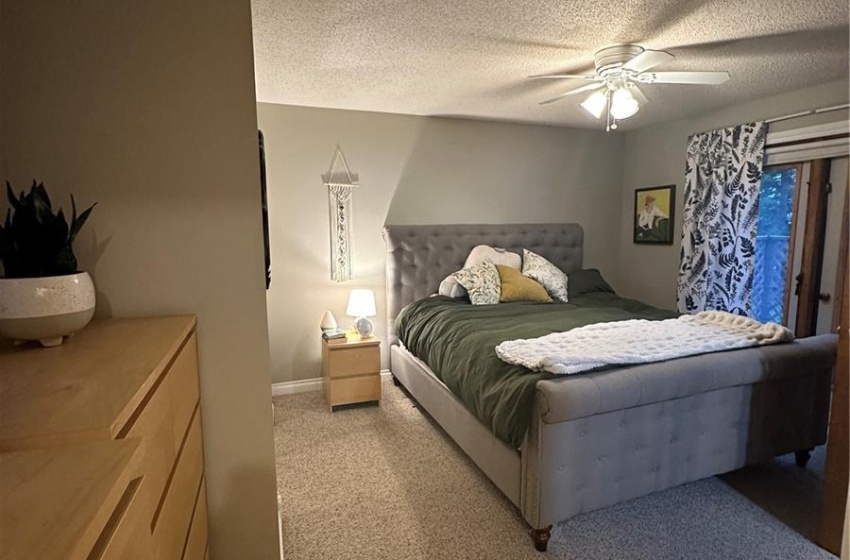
[43, 295]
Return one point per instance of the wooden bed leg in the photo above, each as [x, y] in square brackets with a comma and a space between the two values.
[541, 537]
[802, 457]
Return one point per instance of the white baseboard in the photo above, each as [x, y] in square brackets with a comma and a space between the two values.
[304, 385]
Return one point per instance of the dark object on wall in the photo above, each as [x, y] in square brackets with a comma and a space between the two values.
[653, 215]
[35, 242]
[265, 202]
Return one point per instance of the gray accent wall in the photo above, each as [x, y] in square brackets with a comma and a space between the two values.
[655, 155]
[148, 108]
[415, 170]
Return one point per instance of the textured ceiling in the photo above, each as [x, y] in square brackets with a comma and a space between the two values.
[470, 58]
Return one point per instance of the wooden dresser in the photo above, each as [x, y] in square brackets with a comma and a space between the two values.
[121, 393]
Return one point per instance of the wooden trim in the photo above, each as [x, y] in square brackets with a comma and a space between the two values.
[783, 167]
[814, 132]
[842, 270]
[306, 385]
[813, 242]
[838, 445]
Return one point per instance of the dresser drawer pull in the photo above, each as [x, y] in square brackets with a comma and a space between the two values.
[173, 470]
[114, 520]
[124, 431]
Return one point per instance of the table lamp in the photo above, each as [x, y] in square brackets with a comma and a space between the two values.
[361, 304]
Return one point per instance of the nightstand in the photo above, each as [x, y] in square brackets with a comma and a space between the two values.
[351, 371]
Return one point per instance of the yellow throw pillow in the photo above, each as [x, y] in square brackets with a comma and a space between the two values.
[516, 287]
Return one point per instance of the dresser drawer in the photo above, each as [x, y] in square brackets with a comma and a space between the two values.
[127, 533]
[355, 389]
[171, 525]
[196, 544]
[346, 362]
[163, 421]
[64, 502]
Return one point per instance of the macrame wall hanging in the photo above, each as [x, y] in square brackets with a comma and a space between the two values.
[341, 183]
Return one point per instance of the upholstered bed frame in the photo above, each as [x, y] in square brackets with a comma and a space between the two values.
[601, 438]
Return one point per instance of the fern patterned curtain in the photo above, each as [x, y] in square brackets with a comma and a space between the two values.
[722, 178]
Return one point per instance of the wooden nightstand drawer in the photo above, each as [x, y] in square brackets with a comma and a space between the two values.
[354, 390]
[349, 362]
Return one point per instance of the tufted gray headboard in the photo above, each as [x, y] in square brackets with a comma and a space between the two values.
[420, 257]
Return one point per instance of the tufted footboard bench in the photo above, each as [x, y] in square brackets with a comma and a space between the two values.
[603, 438]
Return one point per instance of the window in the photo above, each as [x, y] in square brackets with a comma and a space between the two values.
[773, 240]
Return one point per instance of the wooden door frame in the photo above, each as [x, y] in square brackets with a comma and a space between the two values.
[814, 236]
[842, 270]
[837, 465]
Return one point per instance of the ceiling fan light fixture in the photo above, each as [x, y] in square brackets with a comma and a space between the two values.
[623, 104]
[596, 103]
[619, 71]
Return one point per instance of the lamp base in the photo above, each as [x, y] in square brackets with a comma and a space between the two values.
[363, 327]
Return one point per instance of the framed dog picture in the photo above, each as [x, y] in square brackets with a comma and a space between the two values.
[653, 215]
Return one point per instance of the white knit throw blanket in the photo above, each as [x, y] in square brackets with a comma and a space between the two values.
[639, 341]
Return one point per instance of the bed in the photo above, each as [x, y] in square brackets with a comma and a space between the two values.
[596, 439]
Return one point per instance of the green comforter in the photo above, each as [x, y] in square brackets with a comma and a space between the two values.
[457, 340]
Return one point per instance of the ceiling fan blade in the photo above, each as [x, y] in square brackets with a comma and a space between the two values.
[646, 60]
[638, 94]
[564, 76]
[582, 89]
[709, 78]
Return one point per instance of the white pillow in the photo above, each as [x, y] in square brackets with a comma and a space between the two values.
[495, 255]
[550, 276]
[482, 282]
[450, 287]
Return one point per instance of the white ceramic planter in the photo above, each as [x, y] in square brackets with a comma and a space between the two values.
[45, 309]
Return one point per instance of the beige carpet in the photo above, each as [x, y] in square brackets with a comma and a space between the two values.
[386, 482]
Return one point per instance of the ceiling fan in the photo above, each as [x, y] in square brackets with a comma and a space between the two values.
[618, 71]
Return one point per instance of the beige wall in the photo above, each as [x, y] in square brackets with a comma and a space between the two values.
[655, 155]
[415, 170]
[148, 108]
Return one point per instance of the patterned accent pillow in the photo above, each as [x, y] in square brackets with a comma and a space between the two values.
[553, 278]
[482, 283]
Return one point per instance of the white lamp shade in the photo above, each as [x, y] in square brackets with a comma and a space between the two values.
[623, 104]
[595, 104]
[361, 303]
